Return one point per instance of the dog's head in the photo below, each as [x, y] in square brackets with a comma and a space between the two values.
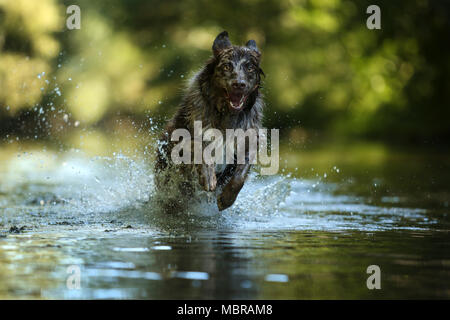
[237, 74]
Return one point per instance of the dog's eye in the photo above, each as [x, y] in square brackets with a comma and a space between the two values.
[227, 67]
[250, 68]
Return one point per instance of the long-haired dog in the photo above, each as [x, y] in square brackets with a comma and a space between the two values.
[224, 94]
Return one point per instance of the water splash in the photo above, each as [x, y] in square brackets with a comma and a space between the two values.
[71, 188]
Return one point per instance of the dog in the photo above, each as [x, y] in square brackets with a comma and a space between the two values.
[224, 94]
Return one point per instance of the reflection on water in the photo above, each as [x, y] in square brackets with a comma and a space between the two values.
[311, 233]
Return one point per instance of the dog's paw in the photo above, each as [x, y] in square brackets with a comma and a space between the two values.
[226, 199]
[220, 204]
[207, 177]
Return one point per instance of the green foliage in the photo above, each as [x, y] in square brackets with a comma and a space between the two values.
[27, 46]
[325, 70]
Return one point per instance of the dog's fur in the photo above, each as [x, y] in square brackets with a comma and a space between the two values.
[224, 94]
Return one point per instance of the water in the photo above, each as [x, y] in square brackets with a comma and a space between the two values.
[308, 233]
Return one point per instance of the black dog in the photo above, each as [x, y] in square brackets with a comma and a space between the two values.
[224, 94]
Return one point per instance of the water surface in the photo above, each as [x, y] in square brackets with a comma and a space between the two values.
[308, 233]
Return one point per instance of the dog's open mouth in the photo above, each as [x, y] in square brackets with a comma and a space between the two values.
[236, 100]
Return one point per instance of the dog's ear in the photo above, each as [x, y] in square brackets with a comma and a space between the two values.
[222, 42]
[251, 44]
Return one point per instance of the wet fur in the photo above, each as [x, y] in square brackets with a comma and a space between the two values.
[204, 100]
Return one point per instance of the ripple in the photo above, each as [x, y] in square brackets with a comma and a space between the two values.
[190, 275]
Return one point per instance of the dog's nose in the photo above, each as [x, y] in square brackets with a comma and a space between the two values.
[238, 85]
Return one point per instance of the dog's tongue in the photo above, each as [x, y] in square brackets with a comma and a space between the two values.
[236, 100]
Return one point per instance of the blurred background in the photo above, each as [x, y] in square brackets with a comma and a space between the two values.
[364, 118]
[328, 77]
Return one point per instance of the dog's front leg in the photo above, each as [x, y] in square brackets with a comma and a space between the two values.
[232, 188]
[207, 176]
